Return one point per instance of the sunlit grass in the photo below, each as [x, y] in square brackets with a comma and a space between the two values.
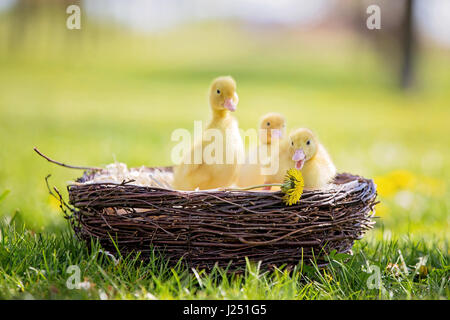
[35, 266]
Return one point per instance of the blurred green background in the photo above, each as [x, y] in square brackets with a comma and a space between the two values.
[115, 90]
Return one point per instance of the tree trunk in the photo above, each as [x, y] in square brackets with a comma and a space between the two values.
[407, 68]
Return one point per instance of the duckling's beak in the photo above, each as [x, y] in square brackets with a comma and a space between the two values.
[277, 133]
[299, 158]
[231, 104]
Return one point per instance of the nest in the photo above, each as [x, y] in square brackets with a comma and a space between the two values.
[204, 228]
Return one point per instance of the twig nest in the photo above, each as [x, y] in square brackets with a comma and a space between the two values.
[204, 228]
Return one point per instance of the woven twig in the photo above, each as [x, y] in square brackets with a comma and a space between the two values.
[224, 227]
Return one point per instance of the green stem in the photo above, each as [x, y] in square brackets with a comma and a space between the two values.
[257, 186]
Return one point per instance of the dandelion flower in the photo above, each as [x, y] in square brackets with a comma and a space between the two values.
[292, 187]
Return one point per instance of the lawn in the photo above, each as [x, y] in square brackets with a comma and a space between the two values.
[92, 102]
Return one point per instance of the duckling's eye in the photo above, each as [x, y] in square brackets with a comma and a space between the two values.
[292, 143]
[308, 142]
[218, 91]
[268, 124]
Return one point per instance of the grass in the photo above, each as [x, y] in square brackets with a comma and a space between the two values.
[38, 266]
[89, 102]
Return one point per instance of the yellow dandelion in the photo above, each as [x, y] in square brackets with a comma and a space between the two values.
[403, 179]
[385, 186]
[395, 181]
[292, 187]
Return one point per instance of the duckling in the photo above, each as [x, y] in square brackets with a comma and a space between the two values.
[259, 159]
[223, 99]
[311, 158]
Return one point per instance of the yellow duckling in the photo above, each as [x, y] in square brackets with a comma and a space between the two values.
[311, 158]
[260, 160]
[223, 170]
